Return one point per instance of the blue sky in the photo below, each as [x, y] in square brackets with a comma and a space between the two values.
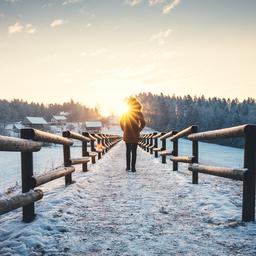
[93, 51]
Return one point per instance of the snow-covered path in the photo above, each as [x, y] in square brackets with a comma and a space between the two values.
[154, 211]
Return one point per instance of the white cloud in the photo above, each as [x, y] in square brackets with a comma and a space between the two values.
[161, 37]
[66, 2]
[16, 28]
[167, 8]
[30, 29]
[133, 2]
[57, 22]
[154, 2]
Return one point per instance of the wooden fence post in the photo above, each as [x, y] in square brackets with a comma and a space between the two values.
[84, 153]
[148, 143]
[67, 163]
[248, 211]
[100, 141]
[92, 146]
[175, 153]
[195, 156]
[163, 148]
[28, 211]
[156, 145]
[152, 143]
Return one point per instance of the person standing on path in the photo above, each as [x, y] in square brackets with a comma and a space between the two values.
[132, 123]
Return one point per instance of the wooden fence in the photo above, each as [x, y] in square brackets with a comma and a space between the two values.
[30, 142]
[247, 174]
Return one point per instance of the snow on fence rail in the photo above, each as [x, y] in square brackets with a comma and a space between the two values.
[31, 142]
[247, 174]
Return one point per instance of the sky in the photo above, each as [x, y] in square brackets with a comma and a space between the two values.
[98, 52]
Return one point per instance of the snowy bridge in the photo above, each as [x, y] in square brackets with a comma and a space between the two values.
[108, 211]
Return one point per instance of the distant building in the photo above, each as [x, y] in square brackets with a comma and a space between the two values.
[59, 120]
[17, 127]
[9, 127]
[63, 113]
[35, 122]
[93, 126]
[13, 129]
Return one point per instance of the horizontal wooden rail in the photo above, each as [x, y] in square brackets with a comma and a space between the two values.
[97, 136]
[53, 175]
[184, 132]
[183, 159]
[92, 137]
[76, 136]
[17, 201]
[42, 136]
[247, 174]
[18, 145]
[238, 131]
[235, 174]
[158, 135]
[81, 160]
[166, 153]
[168, 135]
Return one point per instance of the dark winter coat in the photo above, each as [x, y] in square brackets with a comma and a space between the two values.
[131, 124]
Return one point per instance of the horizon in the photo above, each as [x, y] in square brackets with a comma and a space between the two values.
[99, 53]
[123, 104]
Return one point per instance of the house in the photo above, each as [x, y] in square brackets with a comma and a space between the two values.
[59, 120]
[63, 113]
[13, 129]
[9, 127]
[93, 126]
[17, 127]
[35, 122]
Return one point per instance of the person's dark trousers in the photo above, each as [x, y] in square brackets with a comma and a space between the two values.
[131, 149]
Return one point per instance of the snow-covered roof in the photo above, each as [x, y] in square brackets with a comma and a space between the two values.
[60, 118]
[63, 113]
[36, 120]
[94, 124]
[9, 127]
[19, 126]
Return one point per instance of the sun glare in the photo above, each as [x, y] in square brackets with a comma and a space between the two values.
[123, 109]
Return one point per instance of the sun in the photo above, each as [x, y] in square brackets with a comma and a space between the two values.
[123, 108]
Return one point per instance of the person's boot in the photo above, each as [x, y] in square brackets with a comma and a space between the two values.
[133, 169]
[128, 168]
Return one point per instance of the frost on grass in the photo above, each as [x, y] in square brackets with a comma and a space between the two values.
[154, 211]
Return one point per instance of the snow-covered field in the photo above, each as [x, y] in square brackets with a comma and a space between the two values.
[51, 157]
[154, 211]
[46, 159]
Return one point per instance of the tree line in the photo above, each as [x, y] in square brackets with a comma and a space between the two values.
[165, 113]
[16, 110]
